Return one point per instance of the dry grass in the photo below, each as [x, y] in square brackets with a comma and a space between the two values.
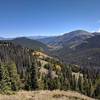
[41, 55]
[45, 95]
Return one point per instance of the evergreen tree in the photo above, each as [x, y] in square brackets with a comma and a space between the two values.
[14, 77]
[5, 84]
[90, 88]
[41, 83]
[52, 81]
[34, 75]
[97, 92]
[74, 83]
[45, 79]
[86, 85]
[62, 87]
[80, 84]
[49, 71]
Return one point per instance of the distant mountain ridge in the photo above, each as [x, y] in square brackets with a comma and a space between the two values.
[37, 37]
[29, 37]
[86, 54]
[68, 39]
[29, 43]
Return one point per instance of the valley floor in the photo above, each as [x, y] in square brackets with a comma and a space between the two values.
[45, 95]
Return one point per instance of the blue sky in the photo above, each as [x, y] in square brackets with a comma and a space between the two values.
[47, 17]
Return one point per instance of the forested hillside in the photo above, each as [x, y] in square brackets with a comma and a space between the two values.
[87, 54]
[29, 43]
[23, 68]
[69, 40]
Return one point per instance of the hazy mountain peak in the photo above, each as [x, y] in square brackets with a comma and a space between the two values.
[79, 32]
[37, 37]
[20, 38]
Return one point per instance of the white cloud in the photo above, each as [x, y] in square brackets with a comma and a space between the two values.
[98, 30]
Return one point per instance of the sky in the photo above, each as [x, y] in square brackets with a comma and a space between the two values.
[47, 17]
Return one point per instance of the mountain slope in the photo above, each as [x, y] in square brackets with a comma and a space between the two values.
[77, 47]
[93, 42]
[10, 52]
[87, 54]
[29, 43]
[70, 39]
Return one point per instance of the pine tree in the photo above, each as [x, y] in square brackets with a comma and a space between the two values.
[61, 78]
[1, 72]
[86, 85]
[28, 83]
[58, 83]
[97, 91]
[80, 84]
[34, 75]
[49, 71]
[41, 83]
[74, 83]
[90, 89]
[50, 79]
[14, 77]
[45, 79]
[5, 84]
